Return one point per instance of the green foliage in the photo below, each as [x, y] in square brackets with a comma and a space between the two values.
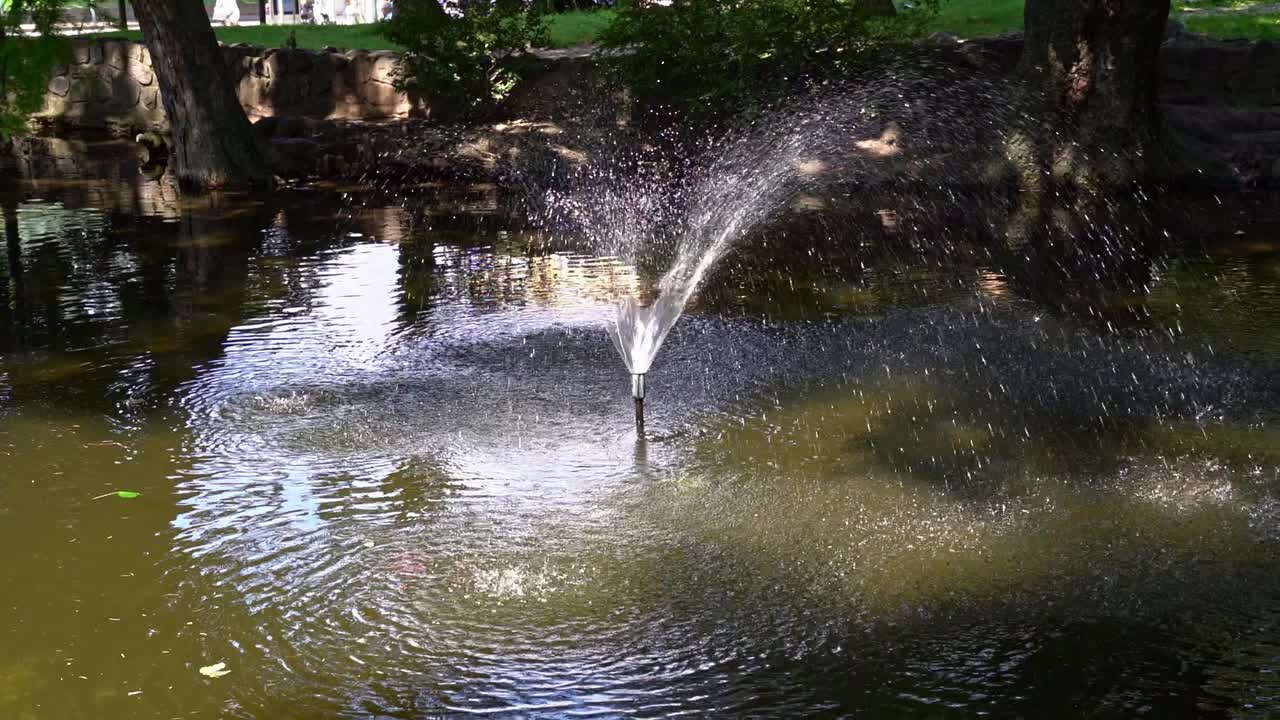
[26, 62]
[465, 61]
[715, 56]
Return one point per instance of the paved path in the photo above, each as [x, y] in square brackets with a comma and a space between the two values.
[78, 21]
[1257, 8]
[111, 8]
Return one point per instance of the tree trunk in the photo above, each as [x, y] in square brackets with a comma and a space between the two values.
[1092, 68]
[214, 145]
[1097, 64]
[124, 15]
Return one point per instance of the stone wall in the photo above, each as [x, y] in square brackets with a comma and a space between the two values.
[1222, 93]
[111, 84]
[1230, 73]
[1194, 70]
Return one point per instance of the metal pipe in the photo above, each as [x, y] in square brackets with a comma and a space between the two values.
[637, 392]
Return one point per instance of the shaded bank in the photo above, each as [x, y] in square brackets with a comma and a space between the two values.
[1221, 99]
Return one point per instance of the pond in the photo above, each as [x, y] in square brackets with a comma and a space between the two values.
[385, 467]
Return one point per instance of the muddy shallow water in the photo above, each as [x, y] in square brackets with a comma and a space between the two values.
[386, 468]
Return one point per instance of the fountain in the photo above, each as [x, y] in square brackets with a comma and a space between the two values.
[638, 332]
[733, 194]
[863, 136]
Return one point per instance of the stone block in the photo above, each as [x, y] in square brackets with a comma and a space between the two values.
[255, 92]
[95, 53]
[124, 93]
[116, 53]
[361, 66]
[299, 62]
[384, 101]
[80, 54]
[55, 105]
[102, 89]
[82, 89]
[322, 76]
[384, 68]
[142, 74]
[60, 85]
[276, 64]
[139, 53]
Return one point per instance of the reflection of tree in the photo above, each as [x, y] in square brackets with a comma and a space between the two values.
[417, 276]
[1086, 262]
[206, 297]
[13, 255]
[131, 314]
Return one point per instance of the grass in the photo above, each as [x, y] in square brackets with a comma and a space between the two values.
[978, 18]
[1181, 6]
[345, 37]
[965, 18]
[985, 18]
[1206, 17]
[577, 27]
[566, 30]
[1239, 26]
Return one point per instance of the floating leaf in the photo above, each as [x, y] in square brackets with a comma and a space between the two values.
[216, 670]
[126, 494]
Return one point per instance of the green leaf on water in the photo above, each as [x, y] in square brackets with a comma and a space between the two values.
[126, 494]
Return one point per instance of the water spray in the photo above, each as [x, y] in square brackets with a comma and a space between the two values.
[637, 332]
[637, 392]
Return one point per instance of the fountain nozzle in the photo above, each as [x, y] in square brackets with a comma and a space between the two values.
[637, 392]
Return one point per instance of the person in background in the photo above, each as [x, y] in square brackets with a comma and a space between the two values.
[226, 12]
[388, 11]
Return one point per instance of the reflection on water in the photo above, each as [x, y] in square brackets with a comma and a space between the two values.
[386, 469]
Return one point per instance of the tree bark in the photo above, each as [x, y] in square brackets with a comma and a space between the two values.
[214, 145]
[1092, 70]
[1097, 64]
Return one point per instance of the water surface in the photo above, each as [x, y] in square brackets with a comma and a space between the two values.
[387, 469]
